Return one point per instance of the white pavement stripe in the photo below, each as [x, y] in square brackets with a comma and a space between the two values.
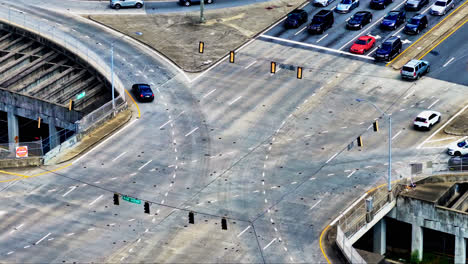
[97, 199]
[447, 63]
[435, 102]
[39, 241]
[299, 32]
[442, 139]
[193, 130]
[235, 100]
[144, 165]
[116, 158]
[320, 39]
[351, 174]
[397, 134]
[212, 91]
[240, 234]
[71, 189]
[332, 157]
[163, 125]
[269, 244]
[313, 206]
[252, 63]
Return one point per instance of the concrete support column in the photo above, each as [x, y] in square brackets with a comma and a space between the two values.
[13, 128]
[460, 250]
[380, 237]
[54, 139]
[417, 240]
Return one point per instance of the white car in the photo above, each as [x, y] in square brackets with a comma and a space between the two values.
[441, 7]
[322, 2]
[458, 148]
[426, 119]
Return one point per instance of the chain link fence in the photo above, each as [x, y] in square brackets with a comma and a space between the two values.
[102, 113]
[10, 150]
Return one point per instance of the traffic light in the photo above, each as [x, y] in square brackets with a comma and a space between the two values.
[231, 57]
[299, 72]
[359, 141]
[224, 224]
[201, 47]
[147, 211]
[273, 67]
[116, 198]
[191, 218]
[71, 104]
[39, 122]
[376, 125]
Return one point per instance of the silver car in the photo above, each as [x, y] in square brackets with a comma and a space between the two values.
[322, 2]
[346, 5]
[117, 4]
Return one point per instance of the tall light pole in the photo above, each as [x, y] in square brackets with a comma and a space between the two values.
[389, 117]
[112, 76]
[202, 8]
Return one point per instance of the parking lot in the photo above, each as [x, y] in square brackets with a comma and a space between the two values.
[340, 39]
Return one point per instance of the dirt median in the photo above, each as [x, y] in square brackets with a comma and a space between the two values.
[177, 36]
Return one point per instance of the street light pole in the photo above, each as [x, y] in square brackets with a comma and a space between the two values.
[389, 117]
[202, 8]
[112, 76]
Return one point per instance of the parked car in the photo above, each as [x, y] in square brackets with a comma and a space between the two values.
[389, 49]
[458, 163]
[346, 5]
[362, 44]
[321, 21]
[143, 92]
[191, 2]
[393, 19]
[117, 4]
[414, 69]
[359, 20]
[440, 7]
[379, 4]
[415, 4]
[295, 18]
[458, 148]
[426, 120]
[416, 24]
[322, 2]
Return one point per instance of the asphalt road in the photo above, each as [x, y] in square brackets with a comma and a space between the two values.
[266, 151]
[340, 38]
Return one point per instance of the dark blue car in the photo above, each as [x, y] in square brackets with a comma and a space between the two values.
[393, 19]
[416, 24]
[389, 49]
[379, 4]
[296, 18]
[143, 92]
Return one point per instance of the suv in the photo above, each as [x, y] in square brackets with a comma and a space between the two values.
[295, 18]
[458, 148]
[389, 49]
[393, 19]
[441, 7]
[143, 92]
[379, 4]
[117, 4]
[190, 2]
[321, 21]
[426, 119]
[416, 24]
[323, 3]
[414, 69]
[415, 4]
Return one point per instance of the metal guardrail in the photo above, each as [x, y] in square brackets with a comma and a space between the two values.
[103, 112]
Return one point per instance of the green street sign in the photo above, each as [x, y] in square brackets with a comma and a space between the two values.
[80, 95]
[131, 199]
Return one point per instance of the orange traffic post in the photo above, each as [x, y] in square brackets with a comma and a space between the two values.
[273, 67]
[299, 72]
[231, 57]
[201, 47]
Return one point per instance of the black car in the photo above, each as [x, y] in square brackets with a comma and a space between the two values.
[321, 21]
[143, 92]
[359, 20]
[379, 4]
[190, 2]
[296, 18]
[389, 49]
[393, 19]
[458, 163]
[416, 24]
[415, 4]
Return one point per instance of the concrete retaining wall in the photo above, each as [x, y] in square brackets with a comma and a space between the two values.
[19, 163]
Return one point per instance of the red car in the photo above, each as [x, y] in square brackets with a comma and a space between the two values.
[362, 44]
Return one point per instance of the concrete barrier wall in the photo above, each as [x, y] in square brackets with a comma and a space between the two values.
[19, 163]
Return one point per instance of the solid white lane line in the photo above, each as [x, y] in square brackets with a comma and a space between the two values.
[235, 100]
[320, 39]
[144, 165]
[313, 206]
[39, 241]
[163, 125]
[435, 102]
[269, 244]
[206, 95]
[11, 252]
[97, 199]
[240, 234]
[71, 189]
[351, 174]
[123, 153]
[193, 130]
[299, 32]
[442, 139]
[332, 157]
[252, 63]
[28, 246]
[397, 134]
[447, 63]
